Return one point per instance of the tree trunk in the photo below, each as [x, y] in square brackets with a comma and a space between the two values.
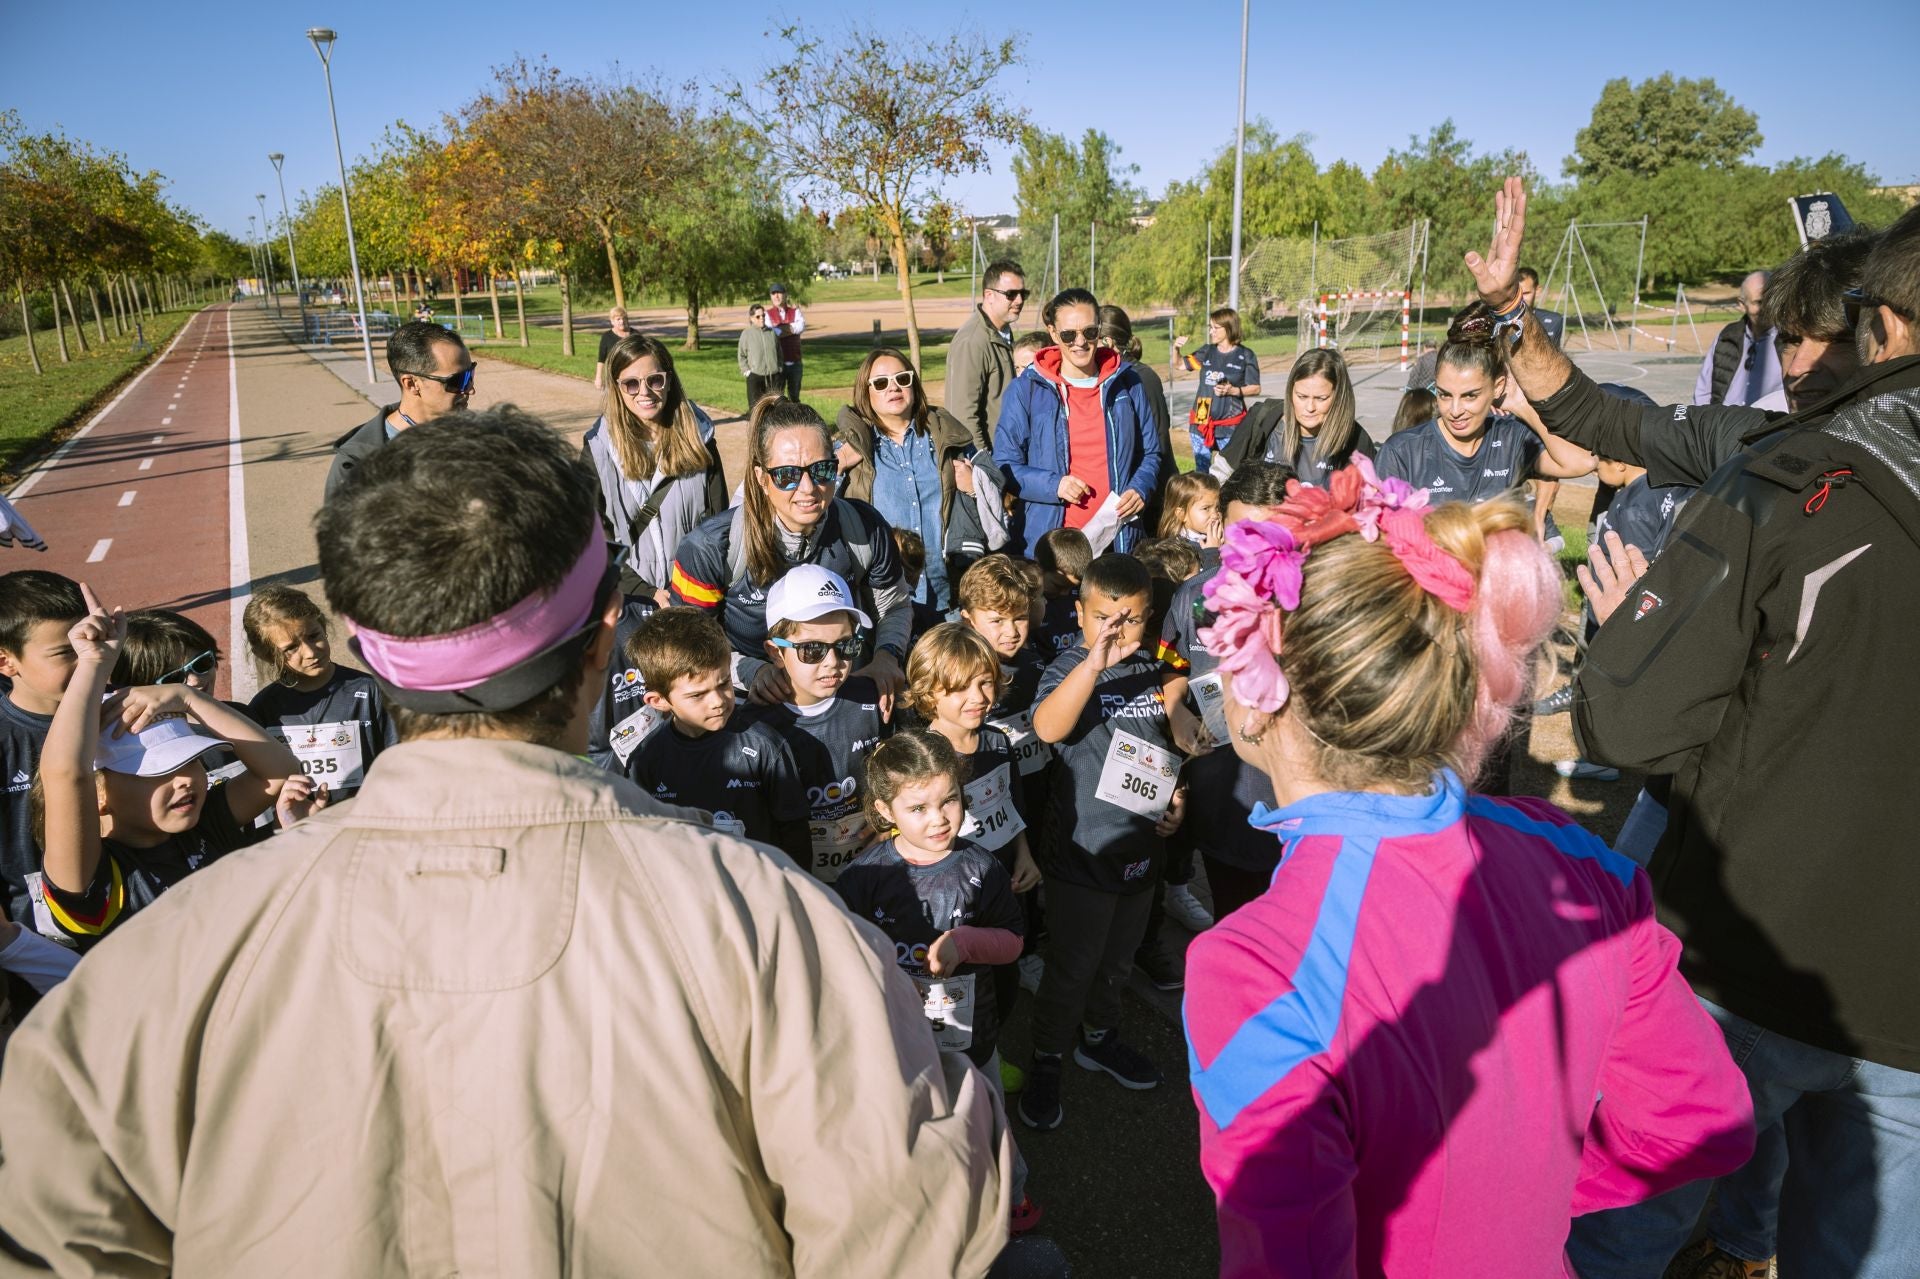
[493, 295]
[459, 313]
[26, 327]
[897, 233]
[520, 307]
[79, 329]
[113, 304]
[99, 325]
[693, 319]
[60, 328]
[566, 315]
[613, 265]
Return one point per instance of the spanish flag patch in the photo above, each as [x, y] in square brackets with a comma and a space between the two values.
[1171, 656]
[692, 589]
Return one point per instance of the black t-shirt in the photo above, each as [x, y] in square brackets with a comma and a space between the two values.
[742, 774]
[22, 734]
[830, 746]
[129, 879]
[1643, 515]
[336, 730]
[1094, 842]
[1306, 460]
[1238, 367]
[1059, 628]
[608, 341]
[914, 905]
[621, 718]
[1423, 458]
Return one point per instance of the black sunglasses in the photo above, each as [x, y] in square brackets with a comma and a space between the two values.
[460, 383]
[1012, 295]
[201, 665]
[814, 652]
[903, 379]
[787, 478]
[1855, 301]
[1072, 337]
[655, 382]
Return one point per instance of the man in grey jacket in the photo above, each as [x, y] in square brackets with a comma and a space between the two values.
[980, 361]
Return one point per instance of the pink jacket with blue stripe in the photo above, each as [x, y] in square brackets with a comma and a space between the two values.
[1449, 1026]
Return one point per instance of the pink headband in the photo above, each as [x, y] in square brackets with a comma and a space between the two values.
[464, 658]
[1261, 565]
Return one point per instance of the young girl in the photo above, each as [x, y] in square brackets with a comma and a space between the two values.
[331, 716]
[947, 904]
[1192, 509]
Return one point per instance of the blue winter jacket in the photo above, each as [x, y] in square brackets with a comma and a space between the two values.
[1030, 445]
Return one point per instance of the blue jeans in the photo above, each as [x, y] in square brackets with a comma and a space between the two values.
[1840, 1137]
[1202, 455]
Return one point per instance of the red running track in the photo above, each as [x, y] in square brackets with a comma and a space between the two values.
[144, 505]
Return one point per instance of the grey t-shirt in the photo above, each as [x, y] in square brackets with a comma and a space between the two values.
[830, 746]
[1424, 459]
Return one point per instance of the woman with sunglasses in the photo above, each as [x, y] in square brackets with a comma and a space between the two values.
[1076, 431]
[659, 468]
[758, 356]
[912, 461]
[790, 515]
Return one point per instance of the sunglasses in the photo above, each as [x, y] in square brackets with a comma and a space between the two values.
[814, 652]
[201, 665]
[655, 383]
[901, 380]
[787, 478]
[460, 383]
[1012, 295]
[1074, 337]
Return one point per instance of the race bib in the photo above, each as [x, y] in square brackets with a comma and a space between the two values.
[836, 843]
[1210, 694]
[328, 753]
[625, 737]
[728, 824]
[992, 820]
[948, 1004]
[1138, 776]
[1030, 754]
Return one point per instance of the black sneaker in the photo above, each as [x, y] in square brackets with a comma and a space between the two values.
[1161, 966]
[1040, 1099]
[1128, 1068]
[1558, 702]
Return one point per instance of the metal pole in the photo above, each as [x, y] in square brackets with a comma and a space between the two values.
[1426, 236]
[1313, 263]
[973, 263]
[1056, 253]
[253, 251]
[286, 221]
[1638, 263]
[266, 246]
[1207, 272]
[1090, 288]
[322, 37]
[1239, 165]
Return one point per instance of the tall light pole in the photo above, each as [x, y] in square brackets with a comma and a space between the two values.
[323, 38]
[286, 221]
[1239, 166]
[266, 249]
[253, 249]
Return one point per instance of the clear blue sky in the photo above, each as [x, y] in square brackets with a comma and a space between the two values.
[202, 91]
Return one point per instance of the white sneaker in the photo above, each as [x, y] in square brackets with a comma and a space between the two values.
[1185, 907]
[1031, 967]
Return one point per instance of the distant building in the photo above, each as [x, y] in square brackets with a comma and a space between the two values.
[1145, 213]
[1001, 226]
[1908, 195]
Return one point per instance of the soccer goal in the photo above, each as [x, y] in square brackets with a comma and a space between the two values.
[1357, 294]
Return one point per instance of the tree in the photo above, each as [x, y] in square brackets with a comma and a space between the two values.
[1083, 185]
[937, 227]
[1440, 178]
[879, 119]
[1659, 124]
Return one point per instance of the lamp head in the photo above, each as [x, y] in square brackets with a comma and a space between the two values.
[276, 157]
[323, 38]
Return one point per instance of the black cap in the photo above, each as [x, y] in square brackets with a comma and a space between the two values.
[776, 288]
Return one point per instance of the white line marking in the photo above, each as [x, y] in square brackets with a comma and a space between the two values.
[99, 550]
[126, 498]
[239, 562]
[25, 486]
[146, 464]
[160, 439]
[165, 421]
[172, 407]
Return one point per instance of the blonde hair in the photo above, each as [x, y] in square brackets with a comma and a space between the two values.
[950, 656]
[999, 584]
[1183, 492]
[672, 446]
[1393, 684]
[275, 606]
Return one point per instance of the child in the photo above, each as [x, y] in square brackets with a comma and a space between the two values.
[913, 561]
[1063, 555]
[830, 725]
[1113, 806]
[330, 716]
[621, 716]
[946, 904]
[123, 810]
[37, 609]
[1192, 509]
[1417, 407]
[164, 647]
[1027, 346]
[706, 754]
[996, 602]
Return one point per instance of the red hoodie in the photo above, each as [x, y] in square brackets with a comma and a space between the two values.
[1086, 429]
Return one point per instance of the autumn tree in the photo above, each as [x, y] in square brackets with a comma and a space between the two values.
[879, 118]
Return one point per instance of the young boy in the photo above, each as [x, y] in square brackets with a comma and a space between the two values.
[37, 609]
[912, 549]
[1114, 804]
[706, 754]
[831, 724]
[996, 603]
[1027, 346]
[1063, 555]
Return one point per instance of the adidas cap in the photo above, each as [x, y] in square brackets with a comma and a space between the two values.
[810, 592]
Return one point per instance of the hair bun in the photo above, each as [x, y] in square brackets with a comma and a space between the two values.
[1475, 326]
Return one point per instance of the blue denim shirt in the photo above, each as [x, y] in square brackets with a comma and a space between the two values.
[906, 490]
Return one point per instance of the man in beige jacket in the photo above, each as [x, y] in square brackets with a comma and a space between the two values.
[499, 1015]
[980, 358]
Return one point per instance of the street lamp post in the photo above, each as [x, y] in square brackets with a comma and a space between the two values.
[1239, 166]
[253, 251]
[266, 248]
[323, 38]
[286, 221]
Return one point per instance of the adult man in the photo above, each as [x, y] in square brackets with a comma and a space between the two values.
[547, 1026]
[980, 360]
[1764, 661]
[1743, 367]
[789, 322]
[1552, 323]
[431, 366]
[617, 329]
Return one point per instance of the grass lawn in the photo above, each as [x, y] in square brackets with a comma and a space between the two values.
[33, 407]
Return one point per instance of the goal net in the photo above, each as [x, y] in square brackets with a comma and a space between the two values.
[1349, 293]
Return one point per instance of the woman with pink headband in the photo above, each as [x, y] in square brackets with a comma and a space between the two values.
[1451, 1023]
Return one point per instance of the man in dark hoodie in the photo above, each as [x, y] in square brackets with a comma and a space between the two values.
[431, 366]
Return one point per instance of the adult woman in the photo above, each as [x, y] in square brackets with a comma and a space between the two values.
[1311, 428]
[654, 454]
[789, 516]
[758, 355]
[912, 461]
[1075, 430]
[1229, 377]
[1445, 1010]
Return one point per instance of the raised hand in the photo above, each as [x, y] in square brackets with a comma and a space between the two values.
[1497, 276]
[1109, 647]
[97, 636]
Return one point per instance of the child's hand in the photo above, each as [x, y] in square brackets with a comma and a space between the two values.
[141, 708]
[1109, 648]
[1026, 872]
[299, 798]
[1170, 820]
[1188, 730]
[97, 636]
[1216, 531]
[943, 956]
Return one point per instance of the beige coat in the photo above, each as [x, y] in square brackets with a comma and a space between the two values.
[500, 1015]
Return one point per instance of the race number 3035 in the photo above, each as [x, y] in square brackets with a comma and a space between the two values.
[1138, 776]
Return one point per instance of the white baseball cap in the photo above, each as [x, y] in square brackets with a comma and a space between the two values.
[810, 591]
[156, 750]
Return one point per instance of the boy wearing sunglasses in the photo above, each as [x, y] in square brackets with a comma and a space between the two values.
[832, 723]
[434, 371]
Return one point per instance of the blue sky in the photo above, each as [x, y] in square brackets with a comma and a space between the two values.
[202, 91]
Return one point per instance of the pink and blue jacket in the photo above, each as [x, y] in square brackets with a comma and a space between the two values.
[1449, 1026]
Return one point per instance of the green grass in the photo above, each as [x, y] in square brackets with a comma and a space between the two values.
[33, 407]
